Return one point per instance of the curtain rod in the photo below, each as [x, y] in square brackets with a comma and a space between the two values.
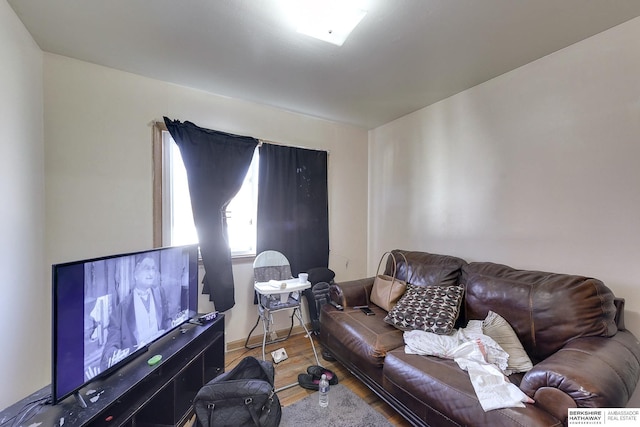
[264, 141]
[162, 125]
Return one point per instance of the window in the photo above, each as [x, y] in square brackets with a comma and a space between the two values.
[173, 219]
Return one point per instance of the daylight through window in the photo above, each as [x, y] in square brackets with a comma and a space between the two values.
[177, 218]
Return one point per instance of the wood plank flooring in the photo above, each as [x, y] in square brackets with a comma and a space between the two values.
[300, 357]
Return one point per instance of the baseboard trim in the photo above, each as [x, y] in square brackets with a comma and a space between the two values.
[256, 338]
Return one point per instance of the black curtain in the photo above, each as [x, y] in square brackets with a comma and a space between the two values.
[293, 213]
[216, 164]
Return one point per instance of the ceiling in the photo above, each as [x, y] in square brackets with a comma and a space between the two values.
[404, 55]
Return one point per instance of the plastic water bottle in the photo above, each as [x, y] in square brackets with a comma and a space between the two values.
[324, 391]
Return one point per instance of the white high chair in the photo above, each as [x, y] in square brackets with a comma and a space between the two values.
[276, 290]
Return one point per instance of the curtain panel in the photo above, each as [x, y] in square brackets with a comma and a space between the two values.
[216, 164]
[293, 213]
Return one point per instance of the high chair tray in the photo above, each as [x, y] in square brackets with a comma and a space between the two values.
[271, 287]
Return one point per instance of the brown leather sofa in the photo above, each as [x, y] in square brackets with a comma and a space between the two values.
[572, 328]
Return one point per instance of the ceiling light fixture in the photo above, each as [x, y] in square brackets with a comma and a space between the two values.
[328, 20]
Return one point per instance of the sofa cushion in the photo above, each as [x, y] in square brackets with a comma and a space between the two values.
[427, 308]
[367, 338]
[426, 269]
[441, 385]
[546, 310]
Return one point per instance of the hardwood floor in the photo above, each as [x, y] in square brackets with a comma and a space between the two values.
[300, 357]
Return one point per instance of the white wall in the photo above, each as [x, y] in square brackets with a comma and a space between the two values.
[99, 167]
[24, 306]
[537, 169]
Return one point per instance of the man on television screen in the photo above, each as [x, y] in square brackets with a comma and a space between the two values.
[139, 318]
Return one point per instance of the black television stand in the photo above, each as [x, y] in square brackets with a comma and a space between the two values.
[137, 395]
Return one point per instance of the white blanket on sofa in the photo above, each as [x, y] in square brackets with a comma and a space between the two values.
[479, 355]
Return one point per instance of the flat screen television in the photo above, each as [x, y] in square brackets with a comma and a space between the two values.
[106, 311]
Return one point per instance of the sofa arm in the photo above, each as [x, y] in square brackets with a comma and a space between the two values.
[588, 372]
[352, 293]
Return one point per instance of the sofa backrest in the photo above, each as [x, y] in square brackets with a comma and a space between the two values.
[426, 269]
[546, 310]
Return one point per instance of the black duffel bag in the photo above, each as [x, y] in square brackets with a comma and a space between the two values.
[244, 396]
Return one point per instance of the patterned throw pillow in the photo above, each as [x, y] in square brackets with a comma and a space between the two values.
[427, 308]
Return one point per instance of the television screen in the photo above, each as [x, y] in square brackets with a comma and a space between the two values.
[107, 309]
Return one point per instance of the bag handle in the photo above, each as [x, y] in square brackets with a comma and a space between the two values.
[210, 407]
[380, 263]
[395, 264]
[252, 411]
